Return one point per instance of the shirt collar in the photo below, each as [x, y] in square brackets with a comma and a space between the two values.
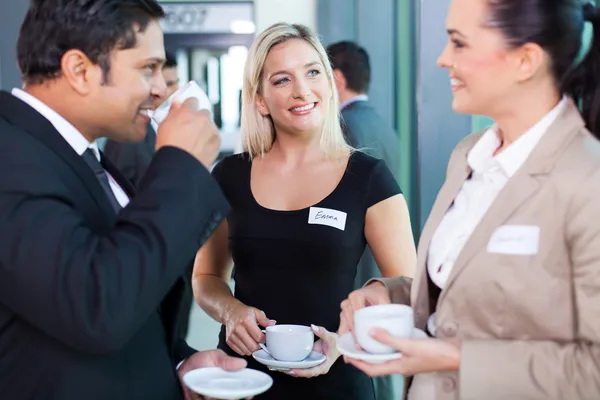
[513, 157]
[71, 135]
[360, 97]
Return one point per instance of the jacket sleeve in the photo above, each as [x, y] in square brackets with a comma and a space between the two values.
[398, 288]
[91, 290]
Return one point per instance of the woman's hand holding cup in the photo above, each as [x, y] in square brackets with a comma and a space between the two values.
[243, 333]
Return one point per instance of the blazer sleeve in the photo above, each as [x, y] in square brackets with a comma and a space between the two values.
[543, 370]
[93, 290]
[398, 288]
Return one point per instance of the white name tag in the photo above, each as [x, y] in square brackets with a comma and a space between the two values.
[521, 240]
[328, 217]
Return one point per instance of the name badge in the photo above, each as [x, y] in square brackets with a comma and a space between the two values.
[521, 240]
[327, 217]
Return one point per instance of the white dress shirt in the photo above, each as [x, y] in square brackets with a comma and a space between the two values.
[489, 176]
[360, 97]
[72, 136]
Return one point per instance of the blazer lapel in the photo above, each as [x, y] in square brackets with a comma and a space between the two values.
[21, 115]
[520, 187]
[445, 198]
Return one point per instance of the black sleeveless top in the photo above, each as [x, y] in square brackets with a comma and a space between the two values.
[298, 266]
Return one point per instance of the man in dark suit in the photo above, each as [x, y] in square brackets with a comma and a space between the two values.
[90, 272]
[132, 159]
[363, 126]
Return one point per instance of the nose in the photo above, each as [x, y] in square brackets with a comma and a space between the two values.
[159, 86]
[444, 60]
[301, 89]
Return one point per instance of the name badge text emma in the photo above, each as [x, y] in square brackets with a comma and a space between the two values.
[328, 217]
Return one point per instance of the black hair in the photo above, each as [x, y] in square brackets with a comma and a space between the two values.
[353, 61]
[557, 26]
[170, 60]
[95, 27]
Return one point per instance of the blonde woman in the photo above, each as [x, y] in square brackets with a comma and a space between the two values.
[304, 205]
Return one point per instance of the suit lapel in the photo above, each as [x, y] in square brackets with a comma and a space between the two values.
[150, 140]
[117, 176]
[445, 198]
[23, 116]
[521, 187]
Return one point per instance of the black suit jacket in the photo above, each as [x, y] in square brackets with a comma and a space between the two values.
[132, 159]
[88, 299]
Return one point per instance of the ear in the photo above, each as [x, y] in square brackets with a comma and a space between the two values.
[339, 79]
[259, 101]
[528, 60]
[80, 72]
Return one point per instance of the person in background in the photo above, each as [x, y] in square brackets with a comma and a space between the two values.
[304, 206]
[362, 125]
[364, 129]
[508, 281]
[90, 270]
[132, 159]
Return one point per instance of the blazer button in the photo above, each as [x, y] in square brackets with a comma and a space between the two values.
[448, 385]
[450, 329]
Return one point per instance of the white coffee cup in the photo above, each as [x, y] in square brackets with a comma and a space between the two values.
[190, 89]
[397, 319]
[289, 342]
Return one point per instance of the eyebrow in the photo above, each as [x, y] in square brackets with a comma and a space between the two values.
[155, 60]
[455, 32]
[286, 72]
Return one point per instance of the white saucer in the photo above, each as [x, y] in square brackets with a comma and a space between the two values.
[221, 384]
[347, 347]
[313, 359]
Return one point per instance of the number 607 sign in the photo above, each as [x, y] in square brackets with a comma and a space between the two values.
[205, 17]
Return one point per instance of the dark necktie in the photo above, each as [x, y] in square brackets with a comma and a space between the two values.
[92, 161]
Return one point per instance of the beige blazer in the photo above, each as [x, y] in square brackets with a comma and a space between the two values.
[529, 324]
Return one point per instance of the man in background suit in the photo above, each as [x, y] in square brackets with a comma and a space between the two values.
[132, 159]
[90, 271]
[363, 126]
[365, 130]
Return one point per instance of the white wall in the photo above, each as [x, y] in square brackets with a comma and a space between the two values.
[268, 12]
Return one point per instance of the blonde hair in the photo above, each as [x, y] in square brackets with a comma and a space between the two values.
[258, 131]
